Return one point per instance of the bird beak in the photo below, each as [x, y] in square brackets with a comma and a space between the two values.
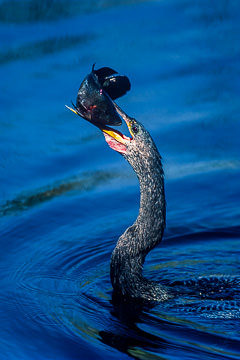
[115, 139]
[115, 134]
[124, 116]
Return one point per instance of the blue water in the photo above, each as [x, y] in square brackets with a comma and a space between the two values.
[65, 197]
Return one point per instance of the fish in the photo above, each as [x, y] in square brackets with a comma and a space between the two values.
[95, 96]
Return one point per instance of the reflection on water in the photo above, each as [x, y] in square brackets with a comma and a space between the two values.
[66, 197]
[50, 10]
[86, 183]
[40, 48]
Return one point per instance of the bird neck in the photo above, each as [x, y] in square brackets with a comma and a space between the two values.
[146, 232]
[152, 212]
[151, 219]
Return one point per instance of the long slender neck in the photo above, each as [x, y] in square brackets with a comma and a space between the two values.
[133, 246]
[152, 213]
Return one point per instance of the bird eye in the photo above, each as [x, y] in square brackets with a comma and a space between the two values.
[135, 129]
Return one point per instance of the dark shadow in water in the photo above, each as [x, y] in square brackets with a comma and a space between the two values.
[127, 337]
[50, 10]
[87, 182]
[41, 48]
[200, 236]
[125, 334]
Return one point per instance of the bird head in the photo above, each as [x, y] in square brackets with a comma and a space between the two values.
[121, 143]
[138, 148]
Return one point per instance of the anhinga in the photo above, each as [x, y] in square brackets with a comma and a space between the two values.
[95, 104]
[147, 231]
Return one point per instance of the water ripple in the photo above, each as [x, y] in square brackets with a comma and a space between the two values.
[61, 288]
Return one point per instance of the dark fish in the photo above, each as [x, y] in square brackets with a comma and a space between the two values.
[114, 84]
[95, 95]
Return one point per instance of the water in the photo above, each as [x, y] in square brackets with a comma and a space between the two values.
[66, 197]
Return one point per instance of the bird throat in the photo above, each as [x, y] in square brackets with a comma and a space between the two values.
[114, 144]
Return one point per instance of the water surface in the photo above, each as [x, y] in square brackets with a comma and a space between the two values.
[66, 197]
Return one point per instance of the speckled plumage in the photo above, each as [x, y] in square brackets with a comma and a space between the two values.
[147, 231]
